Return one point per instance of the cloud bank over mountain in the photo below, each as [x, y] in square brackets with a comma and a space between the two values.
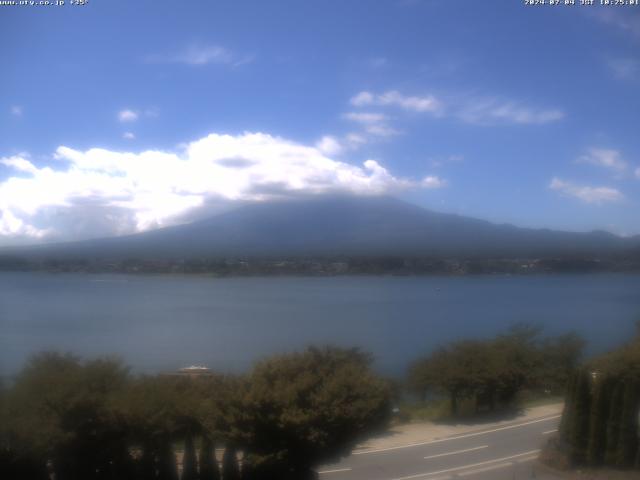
[101, 192]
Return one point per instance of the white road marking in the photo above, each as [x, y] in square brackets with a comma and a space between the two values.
[549, 431]
[334, 471]
[527, 459]
[456, 452]
[465, 467]
[449, 439]
[485, 469]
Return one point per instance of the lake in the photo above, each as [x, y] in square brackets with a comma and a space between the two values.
[158, 323]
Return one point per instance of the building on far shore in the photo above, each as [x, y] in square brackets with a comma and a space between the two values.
[192, 371]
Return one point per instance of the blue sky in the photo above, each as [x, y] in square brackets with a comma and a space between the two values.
[122, 116]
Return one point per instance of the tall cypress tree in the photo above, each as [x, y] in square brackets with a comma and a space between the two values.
[189, 461]
[613, 423]
[230, 470]
[209, 469]
[628, 434]
[145, 468]
[248, 471]
[580, 429]
[167, 469]
[636, 463]
[566, 422]
[598, 422]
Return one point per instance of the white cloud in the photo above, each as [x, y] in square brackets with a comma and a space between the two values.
[373, 124]
[627, 21]
[204, 54]
[199, 55]
[381, 130]
[102, 192]
[638, 172]
[419, 104]
[19, 163]
[17, 110]
[366, 118]
[128, 136]
[587, 194]
[127, 115]
[243, 60]
[603, 157]
[433, 181]
[329, 145]
[11, 226]
[355, 140]
[625, 68]
[362, 99]
[438, 162]
[492, 111]
[478, 111]
[394, 98]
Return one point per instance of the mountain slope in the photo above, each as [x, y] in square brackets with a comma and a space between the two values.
[340, 226]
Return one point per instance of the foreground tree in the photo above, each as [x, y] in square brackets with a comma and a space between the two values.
[208, 463]
[612, 428]
[600, 421]
[460, 370]
[61, 410]
[559, 359]
[307, 408]
[597, 421]
[628, 432]
[230, 469]
[91, 420]
[579, 429]
[493, 372]
[189, 460]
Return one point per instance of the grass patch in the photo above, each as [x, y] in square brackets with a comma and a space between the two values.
[435, 410]
[439, 409]
[534, 399]
[432, 410]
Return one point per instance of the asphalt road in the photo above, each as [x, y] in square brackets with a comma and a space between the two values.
[507, 452]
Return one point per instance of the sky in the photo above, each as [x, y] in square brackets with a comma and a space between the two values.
[123, 116]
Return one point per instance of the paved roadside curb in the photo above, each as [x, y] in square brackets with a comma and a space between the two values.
[415, 434]
[585, 474]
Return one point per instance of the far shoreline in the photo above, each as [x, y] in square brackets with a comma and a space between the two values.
[331, 266]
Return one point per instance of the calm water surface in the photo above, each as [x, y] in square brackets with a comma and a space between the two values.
[157, 322]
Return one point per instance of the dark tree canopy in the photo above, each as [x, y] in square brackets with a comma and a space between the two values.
[62, 410]
[492, 372]
[306, 408]
[600, 420]
[93, 420]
